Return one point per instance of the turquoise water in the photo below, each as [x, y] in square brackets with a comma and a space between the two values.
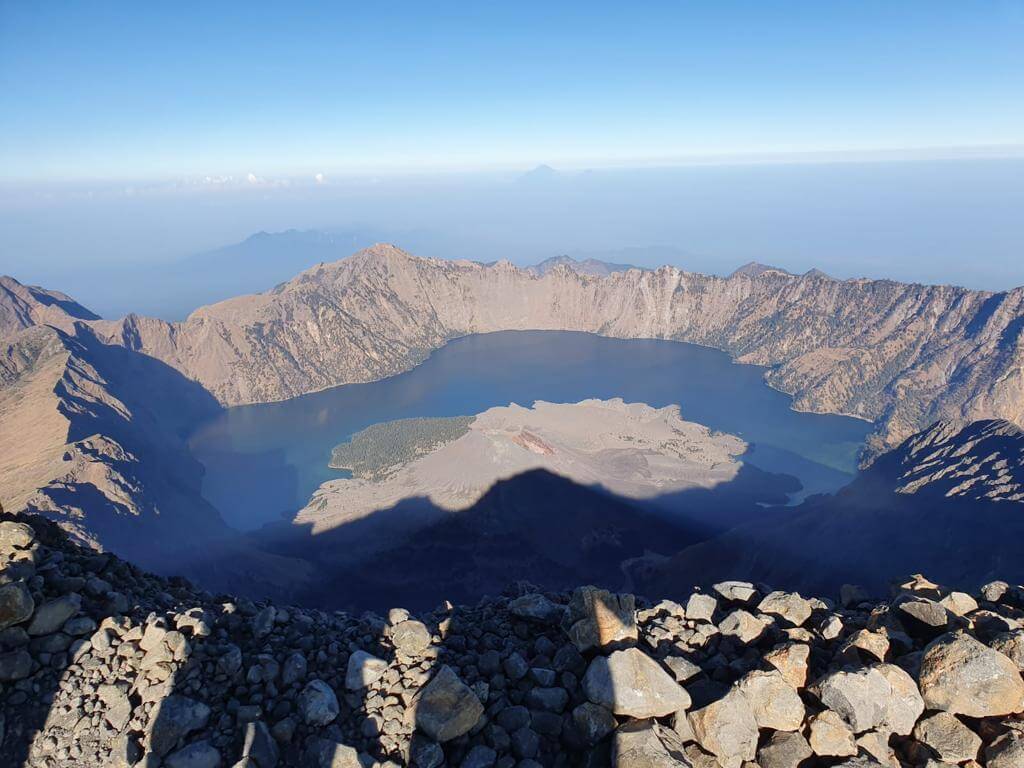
[264, 461]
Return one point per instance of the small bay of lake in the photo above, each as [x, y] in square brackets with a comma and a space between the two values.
[264, 461]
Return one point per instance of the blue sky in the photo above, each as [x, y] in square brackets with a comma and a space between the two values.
[157, 90]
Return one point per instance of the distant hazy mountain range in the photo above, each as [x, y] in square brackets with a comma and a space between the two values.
[95, 412]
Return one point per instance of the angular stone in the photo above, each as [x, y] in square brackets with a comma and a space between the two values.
[629, 682]
[1007, 751]
[874, 644]
[15, 665]
[16, 604]
[831, 736]
[15, 536]
[851, 595]
[962, 676]
[363, 670]
[318, 703]
[646, 744]
[859, 697]
[742, 625]
[173, 719]
[736, 591]
[791, 659]
[117, 707]
[727, 729]
[593, 722]
[904, 704]
[294, 669]
[263, 622]
[948, 737]
[1011, 645]
[446, 707]
[259, 745]
[923, 618]
[536, 607]
[682, 670]
[877, 745]
[788, 606]
[50, 616]
[411, 638]
[701, 607]
[599, 619]
[325, 753]
[201, 754]
[774, 701]
[959, 603]
[784, 750]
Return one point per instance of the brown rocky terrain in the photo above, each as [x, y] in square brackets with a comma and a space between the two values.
[102, 664]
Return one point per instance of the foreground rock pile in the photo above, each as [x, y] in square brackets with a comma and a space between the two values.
[103, 665]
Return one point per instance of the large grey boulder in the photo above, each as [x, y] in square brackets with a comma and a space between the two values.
[593, 722]
[904, 704]
[784, 750]
[325, 753]
[830, 736]
[736, 591]
[50, 616]
[201, 754]
[318, 703]
[15, 536]
[446, 707]
[1007, 751]
[742, 625]
[15, 665]
[788, 606]
[363, 670]
[597, 618]
[701, 607]
[960, 675]
[775, 703]
[1011, 645]
[536, 607]
[859, 697]
[629, 682]
[410, 638]
[16, 604]
[792, 660]
[948, 737]
[646, 744]
[727, 729]
[173, 719]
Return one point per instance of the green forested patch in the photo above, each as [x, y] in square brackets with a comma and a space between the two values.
[380, 449]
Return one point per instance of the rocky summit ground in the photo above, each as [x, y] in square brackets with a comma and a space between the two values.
[104, 665]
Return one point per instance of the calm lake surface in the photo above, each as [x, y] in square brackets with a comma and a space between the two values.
[264, 461]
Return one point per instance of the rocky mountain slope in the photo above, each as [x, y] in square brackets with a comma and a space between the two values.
[946, 501]
[94, 435]
[23, 306]
[102, 664]
[901, 355]
[983, 461]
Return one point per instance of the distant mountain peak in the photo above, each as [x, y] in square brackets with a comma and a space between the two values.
[594, 267]
[756, 268]
[540, 173]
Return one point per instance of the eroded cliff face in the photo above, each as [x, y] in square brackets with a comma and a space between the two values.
[898, 354]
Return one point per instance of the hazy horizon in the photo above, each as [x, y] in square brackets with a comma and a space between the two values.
[877, 139]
